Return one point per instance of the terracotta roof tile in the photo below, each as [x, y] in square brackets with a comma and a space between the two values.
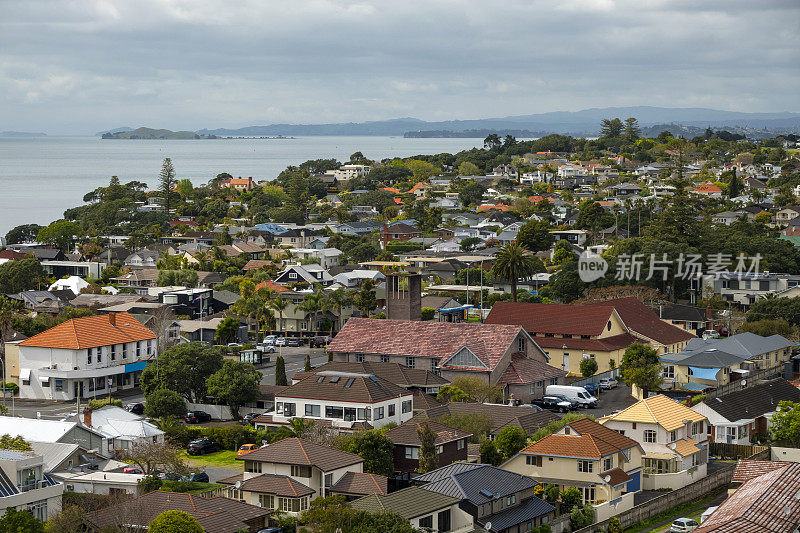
[334, 386]
[685, 447]
[616, 476]
[91, 332]
[747, 469]
[551, 318]
[271, 285]
[641, 320]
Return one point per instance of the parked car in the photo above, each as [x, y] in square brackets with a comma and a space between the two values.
[248, 418]
[592, 388]
[562, 397]
[266, 348]
[710, 334]
[608, 383]
[319, 342]
[245, 449]
[196, 417]
[293, 341]
[552, 403]
[280, 341]
[683, 525]
[269, 340]
[135, 408]
[234, 345]
[724, 331]
[198, 477]
[576, 394]
[201, 446]
[132, 470]
[270, 530]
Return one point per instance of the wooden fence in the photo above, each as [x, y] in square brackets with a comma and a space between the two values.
[738, 451]
[752, 379]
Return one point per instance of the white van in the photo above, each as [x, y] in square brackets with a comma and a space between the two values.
[575, 394]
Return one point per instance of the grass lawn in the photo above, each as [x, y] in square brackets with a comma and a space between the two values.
[223, 459]
[686, 509]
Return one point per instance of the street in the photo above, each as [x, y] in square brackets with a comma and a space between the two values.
[295, 359]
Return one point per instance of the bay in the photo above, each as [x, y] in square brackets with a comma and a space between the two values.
[41, 177]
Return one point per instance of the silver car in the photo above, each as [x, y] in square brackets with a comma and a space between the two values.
[683, 525]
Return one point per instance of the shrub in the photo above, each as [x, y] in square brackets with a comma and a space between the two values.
[571, 497]
[697, 399]
[614, 526]
[581, 516]
[163, 403]
[428, 313]
[149, 483]
[102, 402]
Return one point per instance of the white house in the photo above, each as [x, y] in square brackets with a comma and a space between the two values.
[25, 486]
[120, 428]
[85, 357]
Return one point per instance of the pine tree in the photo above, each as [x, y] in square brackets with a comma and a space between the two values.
[167, 182]
[307, 368]
[280, 372]
[632, 130]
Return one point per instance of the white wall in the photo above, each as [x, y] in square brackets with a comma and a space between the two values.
[785, 454]
[398, 418]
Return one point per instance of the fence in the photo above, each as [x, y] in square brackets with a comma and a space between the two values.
[738, 451]
[694, 491]
[613, 373]
[752, 379]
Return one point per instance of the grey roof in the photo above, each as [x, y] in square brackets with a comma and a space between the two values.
[745, 345]
[53, 453]
[446, 472]
[712, 358]
[670, 311]
[409, 503]
[226, 297]
[473, 483]
[754, 401]
[526, 511]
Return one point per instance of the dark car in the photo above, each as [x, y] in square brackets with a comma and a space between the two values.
[553, 403]
[575, 404]
[319, 342]
[201, 446]
[196, 417]
[135, 408]
[248, 418]
[198, 477]
[293, 341]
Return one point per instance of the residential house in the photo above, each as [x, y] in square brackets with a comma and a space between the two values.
[143, 258]
[765, 503]
[526, 379]
[120, 428]
[425, 510]
[238, 184]
[499, 415]
[204, 330]
[398, 232]
[364, 211]
[303, 466]
[354, 485]
[601, 331]
[708, 190]
[355, 278]
[215, 514]
[491, 496]
[420, 189]
[73, 284]
[691, 318]
[449, 349]
[25, 486]
[672, 436]
[327, 257]
[85, 357]
[251, 250]
[451, 444]
[446, 309]
[296, 238]
[742, 288]
[359, 228]
[69, 432]
[573, 236]
[412, 379]
[37, 300]
[788, 213]
[506, 171]
[740, 416]
[310, 274]
[348, 400]
[297, 319]
[348, 172]
[600, 462]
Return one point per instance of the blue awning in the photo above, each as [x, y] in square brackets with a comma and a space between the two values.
[133, 367]
[704, 373]
[453, 309]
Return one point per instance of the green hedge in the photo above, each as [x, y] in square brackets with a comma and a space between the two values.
[403, 246]
[227, 437]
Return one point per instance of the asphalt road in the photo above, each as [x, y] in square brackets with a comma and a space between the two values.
[295, 359]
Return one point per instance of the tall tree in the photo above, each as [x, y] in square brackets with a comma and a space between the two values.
[513, 264]
[632, 129]
[611, 127]
[492, 142]
[280, 372]
[236, 384]
[166, 183]
[183, 368]
[535, 236]
[279, 305]
[374, 447]
[641, 367]
[510, 440]
[427, 449]
[365, 300]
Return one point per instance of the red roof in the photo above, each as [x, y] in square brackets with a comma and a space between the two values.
[425, 339]
[11, 255]
[271, 285]
[641, 320]
[707, 187]
[91, 332]
[607, 344]
[561, 319]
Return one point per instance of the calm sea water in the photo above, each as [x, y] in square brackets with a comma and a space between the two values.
[41, 177]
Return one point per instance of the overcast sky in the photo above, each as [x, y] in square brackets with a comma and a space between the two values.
[84, 66]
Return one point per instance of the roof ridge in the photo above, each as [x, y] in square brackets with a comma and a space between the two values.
[75, 332]
[303, 448]
[372, 476]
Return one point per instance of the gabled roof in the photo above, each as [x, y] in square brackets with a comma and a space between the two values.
[482, 484]
[551, 318]
[270, 484]
[345, 387]
[745, 345]
[409, 503]
[747, 469]
[640, 320]
[295, 451]
[660, 410]
[755, 401]
[361, 483]
[407, 433]
[440, 340]
[767, 503]
[91, 332]
[500, 416]
[524, 370]
[590, 440]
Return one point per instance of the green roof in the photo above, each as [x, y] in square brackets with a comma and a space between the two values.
[409, 503]
[792, 239]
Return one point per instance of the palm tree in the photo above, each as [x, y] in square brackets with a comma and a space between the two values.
[513, 263]
[313, 304]
[279, 305]
[337, 300]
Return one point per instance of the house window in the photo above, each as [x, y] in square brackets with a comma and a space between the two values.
[444, 521]
[384, 358]
[301, 471]
[252, 466]
[511, 500]
[521, 345]
[392, 409]
[89, 356]
[124, 351]
[378, 413]
[334, 412]
[533, 460]
[697, 428]
[553, 381]
[460, 444]
[293, 505]
[588, 494]
[410, 361]
[359, 358]
[585, 466]
[138, 350]
[673, 435]
[669, 372]
[426, 522]
[59, 385]
[113, 352]
[267, 501]
[328, 480]
[312, 410]
[412, 452]
[406, 407]
[292, 275]
[289, 409]
[649, 435]
[439, 449]
[433, 365]
[608, 464]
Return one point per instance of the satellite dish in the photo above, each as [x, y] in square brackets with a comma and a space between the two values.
[744, 383]
[607, 479]
[488, 526]
[237, 485]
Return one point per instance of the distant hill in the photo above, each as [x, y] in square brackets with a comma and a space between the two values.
[21, 134]
[585, 122]
[149, 133]
[115, 130]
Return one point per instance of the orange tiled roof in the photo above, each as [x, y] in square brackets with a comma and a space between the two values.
[489, 207]
[420, 185]
[271, 285]
[585, 446]
[91, 332]
[686, 447]
[707, 187]
[390, 189]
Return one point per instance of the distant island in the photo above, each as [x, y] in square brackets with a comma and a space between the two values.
[21, 134]
[153, 134]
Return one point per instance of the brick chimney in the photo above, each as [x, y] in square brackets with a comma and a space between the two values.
[112, 319]
[87, 417]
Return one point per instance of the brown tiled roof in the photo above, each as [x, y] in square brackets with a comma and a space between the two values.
[407, 433]
[91, 331]
[607, 344]
[551, 318]
[362, 388]
[11, 255]
[391, 372]
[524, 370]
[747, 469]
[616, 476]
[423, 402]
[590, 440]
[641, 320]
[269, 391]
[270, 484]
[439, 340]
[216, 514]
[500, 416]
[765, 504]
[587, 426]
[258, 263]
[359, 483]
[295, 451]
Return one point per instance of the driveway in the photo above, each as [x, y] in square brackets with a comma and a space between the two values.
[613, 400]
